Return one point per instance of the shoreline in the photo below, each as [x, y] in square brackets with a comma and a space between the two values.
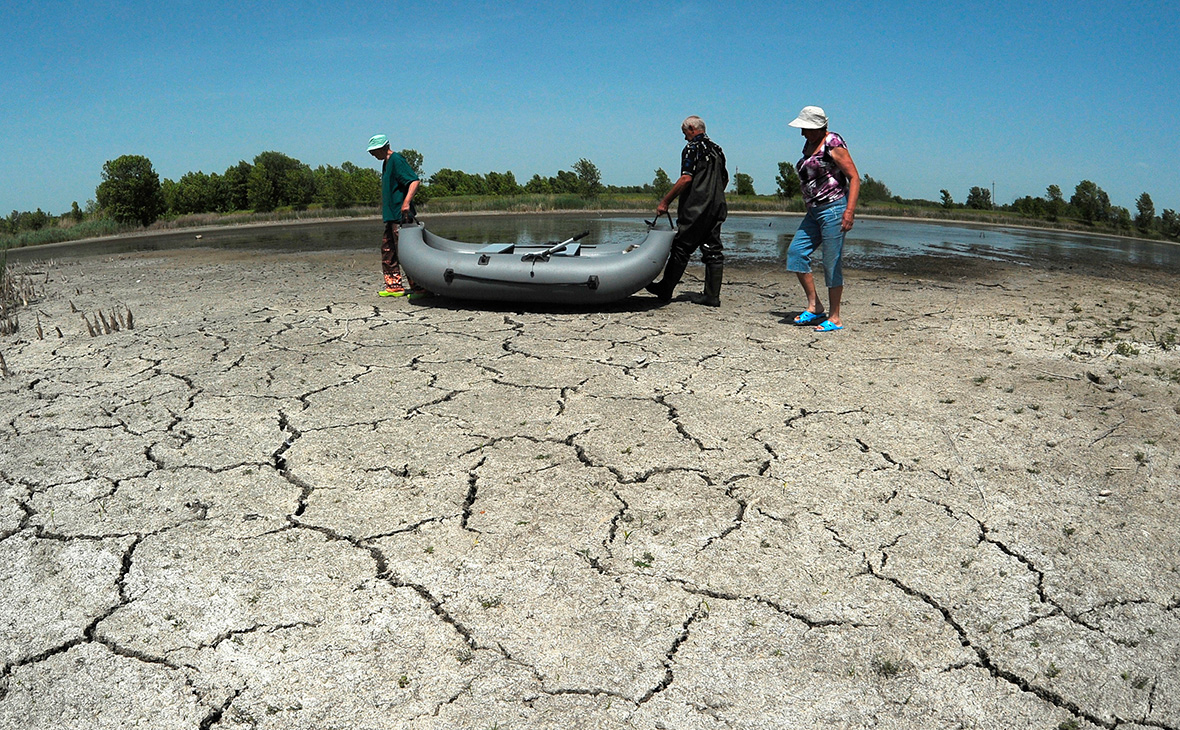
[200, 230]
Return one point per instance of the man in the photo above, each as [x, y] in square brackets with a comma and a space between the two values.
[399, 182]
[699, 213]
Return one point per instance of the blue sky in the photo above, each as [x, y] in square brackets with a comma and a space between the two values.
[929, 95]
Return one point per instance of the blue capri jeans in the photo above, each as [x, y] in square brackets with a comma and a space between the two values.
[820, 227]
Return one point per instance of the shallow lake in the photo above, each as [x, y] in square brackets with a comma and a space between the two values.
[873, 243]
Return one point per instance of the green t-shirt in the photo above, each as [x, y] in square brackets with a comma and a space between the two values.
[396, 176]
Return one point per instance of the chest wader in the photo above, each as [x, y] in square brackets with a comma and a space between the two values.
[699, 214]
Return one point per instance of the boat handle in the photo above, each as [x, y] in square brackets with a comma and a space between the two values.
[656, 222]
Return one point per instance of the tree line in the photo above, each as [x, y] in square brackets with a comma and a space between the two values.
[1089, 204]
[132, 193]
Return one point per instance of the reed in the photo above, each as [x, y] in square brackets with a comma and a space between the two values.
[8, 321]
[16, 291]
[57, 234]
[102, 324]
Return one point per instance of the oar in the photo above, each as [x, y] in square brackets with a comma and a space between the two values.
[544, 255]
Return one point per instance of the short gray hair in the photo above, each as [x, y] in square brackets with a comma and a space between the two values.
[693, 122]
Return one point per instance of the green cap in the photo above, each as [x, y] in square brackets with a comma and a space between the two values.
[377, 141]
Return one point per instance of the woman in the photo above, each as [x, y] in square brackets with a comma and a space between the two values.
[831, 186]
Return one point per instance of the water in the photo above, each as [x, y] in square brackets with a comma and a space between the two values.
[872, 243]
[753, 239]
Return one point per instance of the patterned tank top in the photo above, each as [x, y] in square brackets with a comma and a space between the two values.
[822, 179]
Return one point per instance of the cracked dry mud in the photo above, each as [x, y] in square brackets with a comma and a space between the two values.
[281, 502]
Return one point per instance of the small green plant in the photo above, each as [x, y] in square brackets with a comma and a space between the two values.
[1126, 349]
[1140, 682]
[1069, 725]
[887, 668]
[1068, 531]
[492, 602]
[403, 681]
[1052, 671]
[645, 561]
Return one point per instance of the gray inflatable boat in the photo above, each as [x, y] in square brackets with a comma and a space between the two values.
[568, 272]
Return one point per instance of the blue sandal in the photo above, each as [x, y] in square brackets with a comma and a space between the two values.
[806, 317]
[828, 326]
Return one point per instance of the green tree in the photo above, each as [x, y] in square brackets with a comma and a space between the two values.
[565, 183]
[1145, 213]
[332, 186]
[947, 201]
[262, 190]
[447, 182]
[365, 183]
[130, 190]
[1054, 203]
[171, 192]
[29, 220]
[1091, 202]
[191, 194]
[743, 184]
[871, 189]
[502, 183]
[589, 183]
[979, 198]
[661, 183]
[76, 212]
[1029, 207]
[277, 180]
[197, 192]
[1170, 224]
[298, 187]
[538, 185]
[414, 159]
[1121, 218]
[237, 180]
[788, 181]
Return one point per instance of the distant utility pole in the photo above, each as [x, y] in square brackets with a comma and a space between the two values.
[993, 193]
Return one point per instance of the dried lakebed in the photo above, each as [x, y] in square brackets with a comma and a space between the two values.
[281, 502]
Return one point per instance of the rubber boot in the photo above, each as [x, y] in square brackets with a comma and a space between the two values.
[712, 294]
[673, 270]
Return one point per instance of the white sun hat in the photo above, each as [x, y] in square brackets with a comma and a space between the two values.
[810, 117]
